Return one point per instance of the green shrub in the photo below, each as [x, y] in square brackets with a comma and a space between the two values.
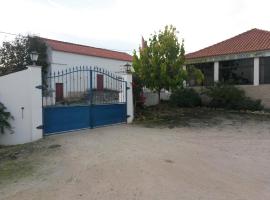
[5, 116]
[185, 97]
[231, 97]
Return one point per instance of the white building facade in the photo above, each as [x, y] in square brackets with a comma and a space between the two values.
[63, 55]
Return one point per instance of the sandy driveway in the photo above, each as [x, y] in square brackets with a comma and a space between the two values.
[132, 162]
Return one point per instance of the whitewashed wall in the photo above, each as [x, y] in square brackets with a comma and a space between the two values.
[151, 98]
[63, 60]
[19, 94]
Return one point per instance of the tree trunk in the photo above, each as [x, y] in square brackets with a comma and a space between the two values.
[159, 96]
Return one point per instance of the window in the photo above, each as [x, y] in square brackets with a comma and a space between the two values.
[59, 96]
[208, 71]
[100, 82]
[264, 70]
[239, 72]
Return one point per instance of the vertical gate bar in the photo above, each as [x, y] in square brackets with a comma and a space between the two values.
[126, 101]
[102, 91]
[53, 98]
[91, 87]
[77, 88]
[80, 79]
[84, 80]
[66, 83]
[116, 89]
[107, 88]
[91, 103]
[58, 81]
[62, 75]
[73, 80]
[111, 85]
[86, 77]
[69, 81]
[50, 97]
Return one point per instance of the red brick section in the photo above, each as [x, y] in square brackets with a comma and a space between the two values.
[87, 50]
[250, 41]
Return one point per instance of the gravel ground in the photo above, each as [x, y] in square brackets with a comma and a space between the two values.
[133, 162]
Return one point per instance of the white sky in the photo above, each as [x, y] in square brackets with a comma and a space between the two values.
[119, 24]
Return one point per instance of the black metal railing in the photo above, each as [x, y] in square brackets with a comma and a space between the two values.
[83, 86]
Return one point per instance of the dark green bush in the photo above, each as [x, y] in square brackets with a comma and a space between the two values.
[231, 97]
[185, 97]
[5, 116]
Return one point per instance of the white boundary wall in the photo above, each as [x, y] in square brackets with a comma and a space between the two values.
[151, 98]
[23, 100]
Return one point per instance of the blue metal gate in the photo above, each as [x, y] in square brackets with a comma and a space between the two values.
[83, 97]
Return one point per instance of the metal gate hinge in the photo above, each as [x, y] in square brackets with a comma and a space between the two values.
[128, 116]
[39, 87]
[40, 127]
[128, 88]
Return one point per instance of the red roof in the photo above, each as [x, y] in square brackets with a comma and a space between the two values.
[249, 41]
[87, 50]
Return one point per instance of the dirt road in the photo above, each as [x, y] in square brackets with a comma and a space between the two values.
[133, 162]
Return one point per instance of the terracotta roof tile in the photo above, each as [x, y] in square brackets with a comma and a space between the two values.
[249, 41]
[87, 50]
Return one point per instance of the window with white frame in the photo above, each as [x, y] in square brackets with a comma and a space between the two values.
[238, 72]
[264, 70]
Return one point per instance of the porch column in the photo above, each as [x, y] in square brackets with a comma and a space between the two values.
[256, 79]
[216, 71]
[184, 82]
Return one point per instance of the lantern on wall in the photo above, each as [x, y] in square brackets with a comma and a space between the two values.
[34, 57]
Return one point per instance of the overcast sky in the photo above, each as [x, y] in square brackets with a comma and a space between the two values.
[119, 24]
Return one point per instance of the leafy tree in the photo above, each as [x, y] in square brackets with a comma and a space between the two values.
[15, 55]
[5, 116]
[195, 74]
[160, 62]
[137, 88]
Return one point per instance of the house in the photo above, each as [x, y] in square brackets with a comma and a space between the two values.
[243, 60]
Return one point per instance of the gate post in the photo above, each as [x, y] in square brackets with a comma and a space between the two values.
[36, 101]
[129, 97]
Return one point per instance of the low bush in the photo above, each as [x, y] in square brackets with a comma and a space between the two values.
[231, 97]
[185, 97]
[5, 116]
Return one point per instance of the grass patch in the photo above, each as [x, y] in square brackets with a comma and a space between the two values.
[12, 170]
[21, 161]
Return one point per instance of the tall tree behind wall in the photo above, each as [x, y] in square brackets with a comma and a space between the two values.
[15, 55]
[160, 63]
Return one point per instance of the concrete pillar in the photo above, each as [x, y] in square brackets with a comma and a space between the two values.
[184, 82]
[36, 101]
[130, 109]
[184, 67]
[256, 79]
[216, 71]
